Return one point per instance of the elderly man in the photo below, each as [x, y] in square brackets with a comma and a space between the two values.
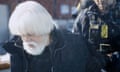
[40, 46]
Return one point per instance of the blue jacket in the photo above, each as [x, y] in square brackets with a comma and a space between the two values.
[66, 53]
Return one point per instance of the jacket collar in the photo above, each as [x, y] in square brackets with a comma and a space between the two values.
[57, 41]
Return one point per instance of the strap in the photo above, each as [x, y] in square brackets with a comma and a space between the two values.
[79, 17]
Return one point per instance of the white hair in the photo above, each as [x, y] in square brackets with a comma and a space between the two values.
[30, 17]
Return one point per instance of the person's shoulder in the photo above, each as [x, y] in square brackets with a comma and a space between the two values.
[69, 34]
[70, 38]
[75, 39]
[85, 12]
[75, 42]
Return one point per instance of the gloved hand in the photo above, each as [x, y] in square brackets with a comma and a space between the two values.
[14, 46]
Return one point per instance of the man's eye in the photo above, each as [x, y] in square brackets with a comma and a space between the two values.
[29, 35]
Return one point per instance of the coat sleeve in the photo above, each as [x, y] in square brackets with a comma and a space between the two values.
[17, 58]
[17, 63]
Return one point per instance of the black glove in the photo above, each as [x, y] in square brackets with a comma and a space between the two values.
[14, 46]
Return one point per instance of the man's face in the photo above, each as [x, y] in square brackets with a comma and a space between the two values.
[104, 5]
[35, 45]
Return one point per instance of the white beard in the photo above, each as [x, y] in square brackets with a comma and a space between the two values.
[36, 48]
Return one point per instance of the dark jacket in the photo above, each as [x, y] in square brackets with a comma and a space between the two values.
[92, 16]
[66, 53]
[111, 20]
